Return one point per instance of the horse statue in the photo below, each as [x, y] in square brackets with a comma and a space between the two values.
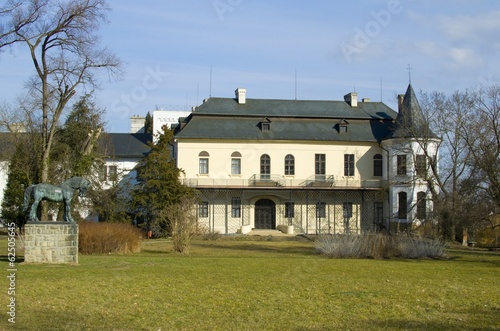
[64, 193]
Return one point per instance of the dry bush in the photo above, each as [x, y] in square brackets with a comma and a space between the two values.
[104, 238]
[378, 246]
[211, 235]
[417, 248]
[183, 224]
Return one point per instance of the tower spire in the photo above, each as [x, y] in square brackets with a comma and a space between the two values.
[409, 73]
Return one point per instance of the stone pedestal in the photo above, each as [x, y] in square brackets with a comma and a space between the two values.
[51, 242]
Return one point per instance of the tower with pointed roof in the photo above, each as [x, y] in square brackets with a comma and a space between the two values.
[409, 146]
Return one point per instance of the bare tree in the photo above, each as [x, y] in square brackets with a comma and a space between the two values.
[14, 16]
[65, 52]
[447, 116]
[468, 181]
[183, 223]
[482, 136]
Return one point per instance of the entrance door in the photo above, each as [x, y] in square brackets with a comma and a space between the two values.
[265, 214]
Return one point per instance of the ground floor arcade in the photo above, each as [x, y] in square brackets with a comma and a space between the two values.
[310, 211]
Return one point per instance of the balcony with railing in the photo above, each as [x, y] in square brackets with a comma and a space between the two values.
[266, 180]
[278, 181]
[319, 181]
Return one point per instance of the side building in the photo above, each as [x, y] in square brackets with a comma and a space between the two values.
[300, 166]
[122, 152]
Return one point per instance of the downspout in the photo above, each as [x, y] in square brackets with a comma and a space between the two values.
[390, 202]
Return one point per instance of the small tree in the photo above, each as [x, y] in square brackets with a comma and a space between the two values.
[111, 204]
[12, 204]
[148, 124]
[159, 187]
[77, 139]
[21, 171]
[183, 224]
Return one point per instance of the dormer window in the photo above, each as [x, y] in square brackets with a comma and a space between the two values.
[342, 127]
[265, 125]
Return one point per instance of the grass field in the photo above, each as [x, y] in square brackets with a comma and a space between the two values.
[255, 285]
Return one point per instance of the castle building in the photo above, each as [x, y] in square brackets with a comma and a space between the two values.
[304, 166]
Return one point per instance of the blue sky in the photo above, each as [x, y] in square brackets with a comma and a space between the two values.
[170, 47]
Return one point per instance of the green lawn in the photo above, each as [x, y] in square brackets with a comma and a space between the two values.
[255, 285]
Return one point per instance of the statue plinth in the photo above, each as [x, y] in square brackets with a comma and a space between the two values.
[51, 242]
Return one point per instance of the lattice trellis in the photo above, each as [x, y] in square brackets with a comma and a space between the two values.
[314, 211]
[221, 217]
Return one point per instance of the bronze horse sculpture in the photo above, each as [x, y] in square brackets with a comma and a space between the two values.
[63, 193]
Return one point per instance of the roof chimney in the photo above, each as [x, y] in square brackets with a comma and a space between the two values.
[351, 99]
[400, 101]
[137, 124]
[241, 95]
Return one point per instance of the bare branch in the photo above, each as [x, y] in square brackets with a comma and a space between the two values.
[65, 50]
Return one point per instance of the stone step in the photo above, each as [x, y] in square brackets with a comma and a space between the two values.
[265, 233]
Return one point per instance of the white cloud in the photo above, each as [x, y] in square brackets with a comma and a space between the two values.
[429, 48]
[458, 42]
[465, 57]
[478, 28]
[475, 29]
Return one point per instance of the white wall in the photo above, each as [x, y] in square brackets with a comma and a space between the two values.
[168, 118]
[411, 184]
[4, 171]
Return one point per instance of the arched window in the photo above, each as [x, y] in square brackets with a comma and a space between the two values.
[236, 163]
[203, 162]
[289, 165]
[377, 165]
[402, 205]
[421, 205]
[265, 166]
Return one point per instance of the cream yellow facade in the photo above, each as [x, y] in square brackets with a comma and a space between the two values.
[220, 161]
[220, 185]
[302, 166]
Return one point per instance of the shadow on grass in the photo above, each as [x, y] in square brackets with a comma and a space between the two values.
[474, 256]
[478, 319]
[260, 247]
[5, 258]
[52, 318]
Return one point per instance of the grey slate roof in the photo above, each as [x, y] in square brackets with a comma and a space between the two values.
[295, 108]
[126, 144]
[410, 122]
[224, 118]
